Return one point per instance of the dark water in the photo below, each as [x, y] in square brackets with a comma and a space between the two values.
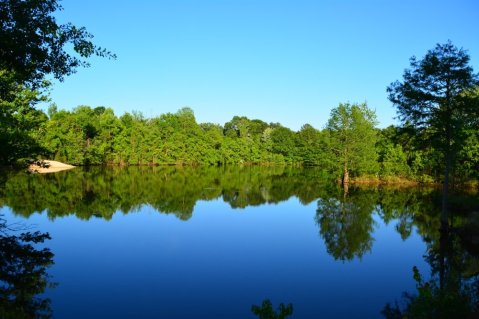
[211, 242]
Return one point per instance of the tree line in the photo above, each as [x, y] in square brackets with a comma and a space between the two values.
[349, 145]
[437, 102]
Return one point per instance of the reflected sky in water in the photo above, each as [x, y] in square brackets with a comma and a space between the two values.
[220, 262]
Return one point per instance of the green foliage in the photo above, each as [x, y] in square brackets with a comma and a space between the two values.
[393, 161]
[311, 146]
[435, 98]
[467, 166]
[36, 42]
[467, 163]
[96, 136]
[37, 48]
[430, 98]
[352, 140]
[20, 123]
[87, 136]
[284, 142]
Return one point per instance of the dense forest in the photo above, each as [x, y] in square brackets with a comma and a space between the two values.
[437, 104]
[96, 136]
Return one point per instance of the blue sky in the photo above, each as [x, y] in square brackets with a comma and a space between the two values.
[280, 61]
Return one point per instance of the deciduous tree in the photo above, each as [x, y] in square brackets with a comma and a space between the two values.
[32, 43]
[352, 139]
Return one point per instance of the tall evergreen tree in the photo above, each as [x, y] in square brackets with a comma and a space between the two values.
[433, 98]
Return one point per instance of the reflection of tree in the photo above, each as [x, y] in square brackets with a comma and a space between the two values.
[266, 310]
[453, 289]
[23, 275]
[407, 207]
[99, 192]
[346, 223]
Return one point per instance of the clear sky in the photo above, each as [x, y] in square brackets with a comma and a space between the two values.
[280, 61]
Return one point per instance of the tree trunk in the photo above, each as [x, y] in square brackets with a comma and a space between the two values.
[345, 192]
[346, 175]
[447, 166]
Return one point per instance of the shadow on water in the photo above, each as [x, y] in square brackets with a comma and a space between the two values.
[23, 273]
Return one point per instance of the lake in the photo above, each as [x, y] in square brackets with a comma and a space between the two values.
[209, 242]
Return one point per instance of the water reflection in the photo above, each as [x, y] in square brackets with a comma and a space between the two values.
[23, 274]
[97, 192]
[452, 290]
[346, 224]
[418, 206]
[266, 310]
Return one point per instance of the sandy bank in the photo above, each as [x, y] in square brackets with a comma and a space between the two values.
[53, 166]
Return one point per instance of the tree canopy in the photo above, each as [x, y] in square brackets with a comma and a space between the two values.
[33, 44]
[434, 97]
[353, 139]
[33, 48]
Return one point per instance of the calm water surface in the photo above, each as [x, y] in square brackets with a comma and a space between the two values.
[211, 242]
